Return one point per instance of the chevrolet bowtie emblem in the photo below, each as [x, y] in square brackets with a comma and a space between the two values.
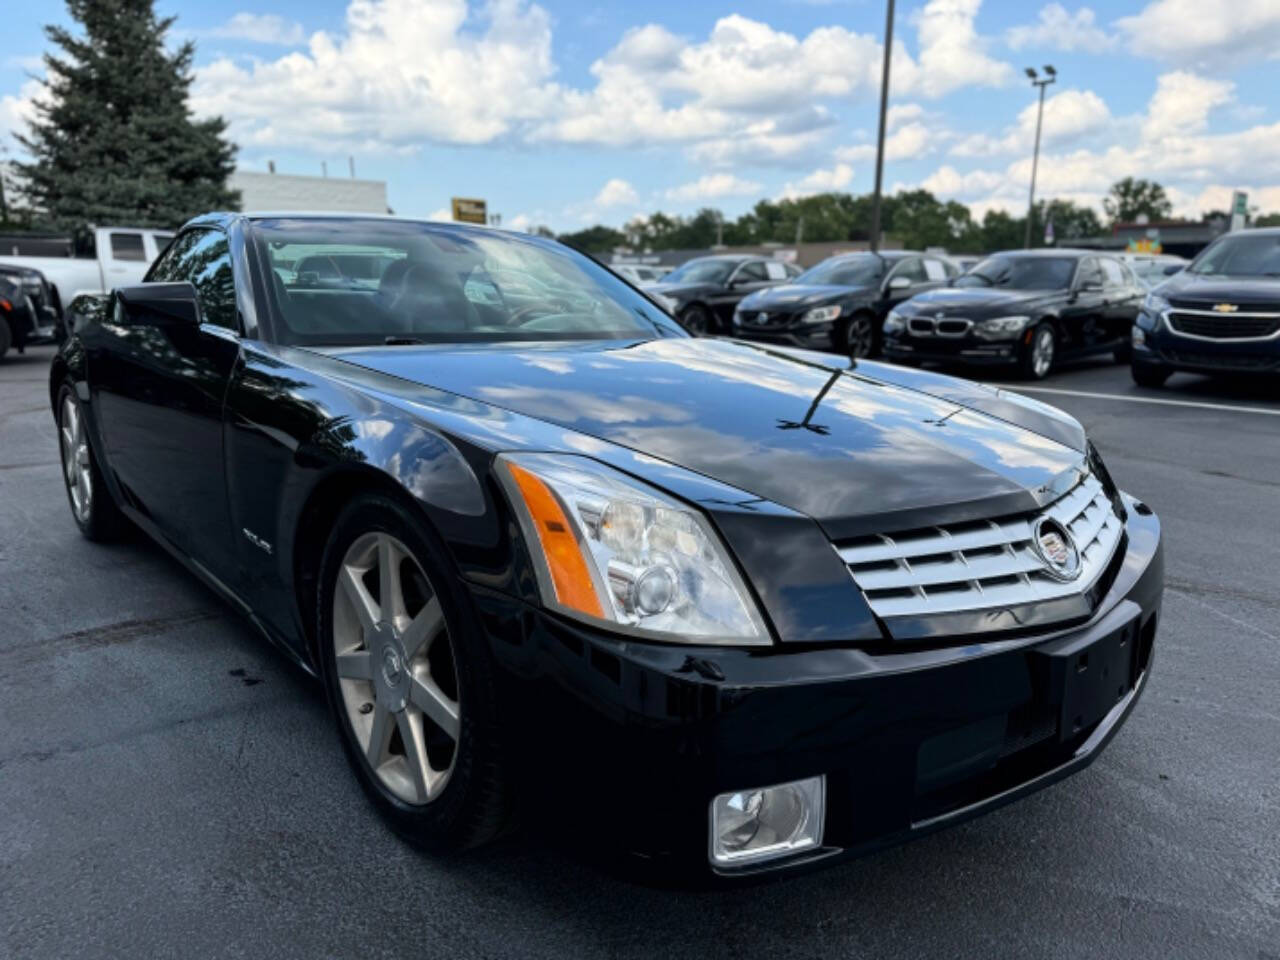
[1225, 308]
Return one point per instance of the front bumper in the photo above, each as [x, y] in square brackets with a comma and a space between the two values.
[1167, 348]
[633, 740]
[807, 336]
[966, 349]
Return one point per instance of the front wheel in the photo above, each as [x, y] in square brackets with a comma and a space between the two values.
[1149, 374]
[1038, 352]
[92, 508]
[6, 338]
[409, 680]
[860, 336]
[697, 320]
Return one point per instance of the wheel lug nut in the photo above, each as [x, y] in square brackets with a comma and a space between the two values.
[366, 708]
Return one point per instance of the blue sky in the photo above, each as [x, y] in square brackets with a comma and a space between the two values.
[569, 113]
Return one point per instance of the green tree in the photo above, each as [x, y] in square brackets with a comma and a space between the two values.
[1070, 222]
[1130, 198]
[114, 140]
[1267, 220]
[597, 239]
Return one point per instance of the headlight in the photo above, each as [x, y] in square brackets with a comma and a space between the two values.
[894, 323]
[610, 549]
[821, 315]
[998, 328]
[1155, 303]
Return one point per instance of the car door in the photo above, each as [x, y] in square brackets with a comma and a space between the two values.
[1084, 315]
[159, 394]
[747, 278]
[125, 258]
[1123, 305]
[912, 270]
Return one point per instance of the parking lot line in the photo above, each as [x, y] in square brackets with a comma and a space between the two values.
[1019, 388]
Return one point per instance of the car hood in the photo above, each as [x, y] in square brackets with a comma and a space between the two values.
[796, 296]
[681, 291]
[974, 301]
[1206, 290]
[855, 450]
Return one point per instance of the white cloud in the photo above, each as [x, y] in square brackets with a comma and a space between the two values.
[1068, 116]
[713, 186]
[900, 113]
[952, 54]
[616, 193]
[266, 28]
[401, 73]
[17, 112]
[1181, 104]
[820, 181]
[906, 143]
[1058, 29]
[1226, 32]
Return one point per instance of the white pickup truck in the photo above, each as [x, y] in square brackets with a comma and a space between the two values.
[122, 257]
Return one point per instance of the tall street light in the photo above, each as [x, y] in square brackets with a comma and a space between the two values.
[1036, 81]
[884, 104]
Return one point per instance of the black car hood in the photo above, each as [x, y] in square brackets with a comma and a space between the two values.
[976, 301]
[1206, 290]
[795, 296]
[682, 291]
[854, 450]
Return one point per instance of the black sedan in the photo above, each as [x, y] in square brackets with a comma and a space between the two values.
[1221, 315]
[703, 292]
[841, 303]
[727, 607]
[22, 319]
[1028, 309]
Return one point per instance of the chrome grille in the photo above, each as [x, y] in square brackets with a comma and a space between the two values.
[1223, 326]
[984, 564]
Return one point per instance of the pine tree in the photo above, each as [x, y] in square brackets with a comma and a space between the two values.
[114, 141]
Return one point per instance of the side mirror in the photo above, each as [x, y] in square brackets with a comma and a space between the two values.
[899, 283]
[160, 304]
[1173, 268]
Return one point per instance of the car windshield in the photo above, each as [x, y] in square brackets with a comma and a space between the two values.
[702, 271]
[396, 281]
[1241, 255]
[845, 271]
[1151, 271]
[1020, 273]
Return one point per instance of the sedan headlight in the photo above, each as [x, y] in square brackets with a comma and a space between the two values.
[612, 550]
[894, 323]
[1000, 328]
[1152, 308]
[821, 315]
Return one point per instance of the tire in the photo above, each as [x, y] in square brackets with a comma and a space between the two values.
[698, 320]
[1038, 353]
[427, 670]
[1149, 374]
[860, 336]
[6, 337]
[92, 508]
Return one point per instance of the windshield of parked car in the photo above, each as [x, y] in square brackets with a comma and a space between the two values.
[396, 281]
[845, 271]
[1241, 255]
[1020, 273]
[701, 271]
[1152, 272]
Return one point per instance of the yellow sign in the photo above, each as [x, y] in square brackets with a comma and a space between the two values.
[1146, 245]
[469, 211]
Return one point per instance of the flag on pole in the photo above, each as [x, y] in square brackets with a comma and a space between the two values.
[1048, 231]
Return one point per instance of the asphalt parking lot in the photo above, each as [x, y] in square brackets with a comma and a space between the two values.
[170, 786]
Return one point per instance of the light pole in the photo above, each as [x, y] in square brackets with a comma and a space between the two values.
[884, 104]
[1051, 77]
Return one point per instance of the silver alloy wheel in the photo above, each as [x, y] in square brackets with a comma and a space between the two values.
[75, 459]
[859, 337]
[1042, 352]
[696, 321]
[395, 667]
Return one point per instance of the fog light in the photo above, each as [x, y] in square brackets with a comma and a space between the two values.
[765, 823]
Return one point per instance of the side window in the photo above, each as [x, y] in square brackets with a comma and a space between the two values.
[775, 270]
[934, 269]
[753, 272]
[912, 269]
[1090, 274]
[206, 262]
[162, 271]
[1113, 272]
[127, 246]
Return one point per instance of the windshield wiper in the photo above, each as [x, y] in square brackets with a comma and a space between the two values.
[398, 341]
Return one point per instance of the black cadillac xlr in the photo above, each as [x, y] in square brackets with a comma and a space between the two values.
[1219, 316]
[728, 607]
[1027, 309]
